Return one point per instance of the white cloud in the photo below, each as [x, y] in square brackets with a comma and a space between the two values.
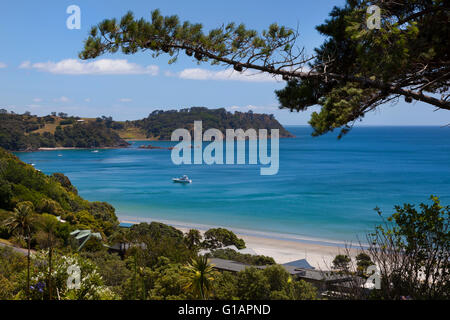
[25, 65]
[2, 65]
[125, 100]
[87, 100]
[98, 67]
[229, 74]
[37, 100]
[61, 99]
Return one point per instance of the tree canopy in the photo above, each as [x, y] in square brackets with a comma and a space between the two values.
[353, 72]
[161, 123]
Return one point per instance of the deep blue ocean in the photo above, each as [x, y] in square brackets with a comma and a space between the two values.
[326, 189]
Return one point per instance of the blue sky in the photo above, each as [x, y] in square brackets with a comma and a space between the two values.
[39, 71]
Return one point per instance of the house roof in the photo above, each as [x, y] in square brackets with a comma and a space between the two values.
[302, 263]
[83, 236]
[228, 265]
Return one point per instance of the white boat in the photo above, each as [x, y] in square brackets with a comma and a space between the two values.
[183, 179]
[95, 151]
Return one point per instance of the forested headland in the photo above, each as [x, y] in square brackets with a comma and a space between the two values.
[26, 132]
[160, 124]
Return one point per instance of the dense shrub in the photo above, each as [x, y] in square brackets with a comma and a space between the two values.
[230, 254]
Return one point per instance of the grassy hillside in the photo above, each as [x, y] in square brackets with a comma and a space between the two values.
[27, 132]
[53, 195]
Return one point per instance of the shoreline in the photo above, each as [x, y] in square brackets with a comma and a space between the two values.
[68, 148]
[115, 147]
[158, 140]
[282, 248]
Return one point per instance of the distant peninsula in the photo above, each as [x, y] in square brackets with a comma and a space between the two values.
[26, 132]
[160, 124]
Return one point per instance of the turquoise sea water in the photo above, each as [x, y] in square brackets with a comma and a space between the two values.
[325, 189]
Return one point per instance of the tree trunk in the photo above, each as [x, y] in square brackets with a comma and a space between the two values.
[50, 252]
[28, 266]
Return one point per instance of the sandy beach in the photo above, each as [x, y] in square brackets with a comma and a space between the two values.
[283, 251]
[75, 148]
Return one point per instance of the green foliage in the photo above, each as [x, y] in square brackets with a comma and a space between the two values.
[65, 182]
[230, 254]
[50, 206]
[369, 63]
[47, 195]
[160, 124]
[15, 129]
[6, 193]
[112, 269]
[193, 240]
[412, 249]
[252, 284]
[225, 286]
[21, 220]
[168, 282]
[199, 275]
[151, 242]
[302, 290]
[341, 262]
[91, 285]
[17, 133]
[155, 230]
[353, 72]
[220, 237]
[94, 245]
[363, 261]
[273, 282]
[88, 135]
[169, 35]
[5, 231]
[11, 266]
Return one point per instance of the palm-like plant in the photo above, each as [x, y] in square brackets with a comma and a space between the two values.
[21, 222]
[199, 275]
